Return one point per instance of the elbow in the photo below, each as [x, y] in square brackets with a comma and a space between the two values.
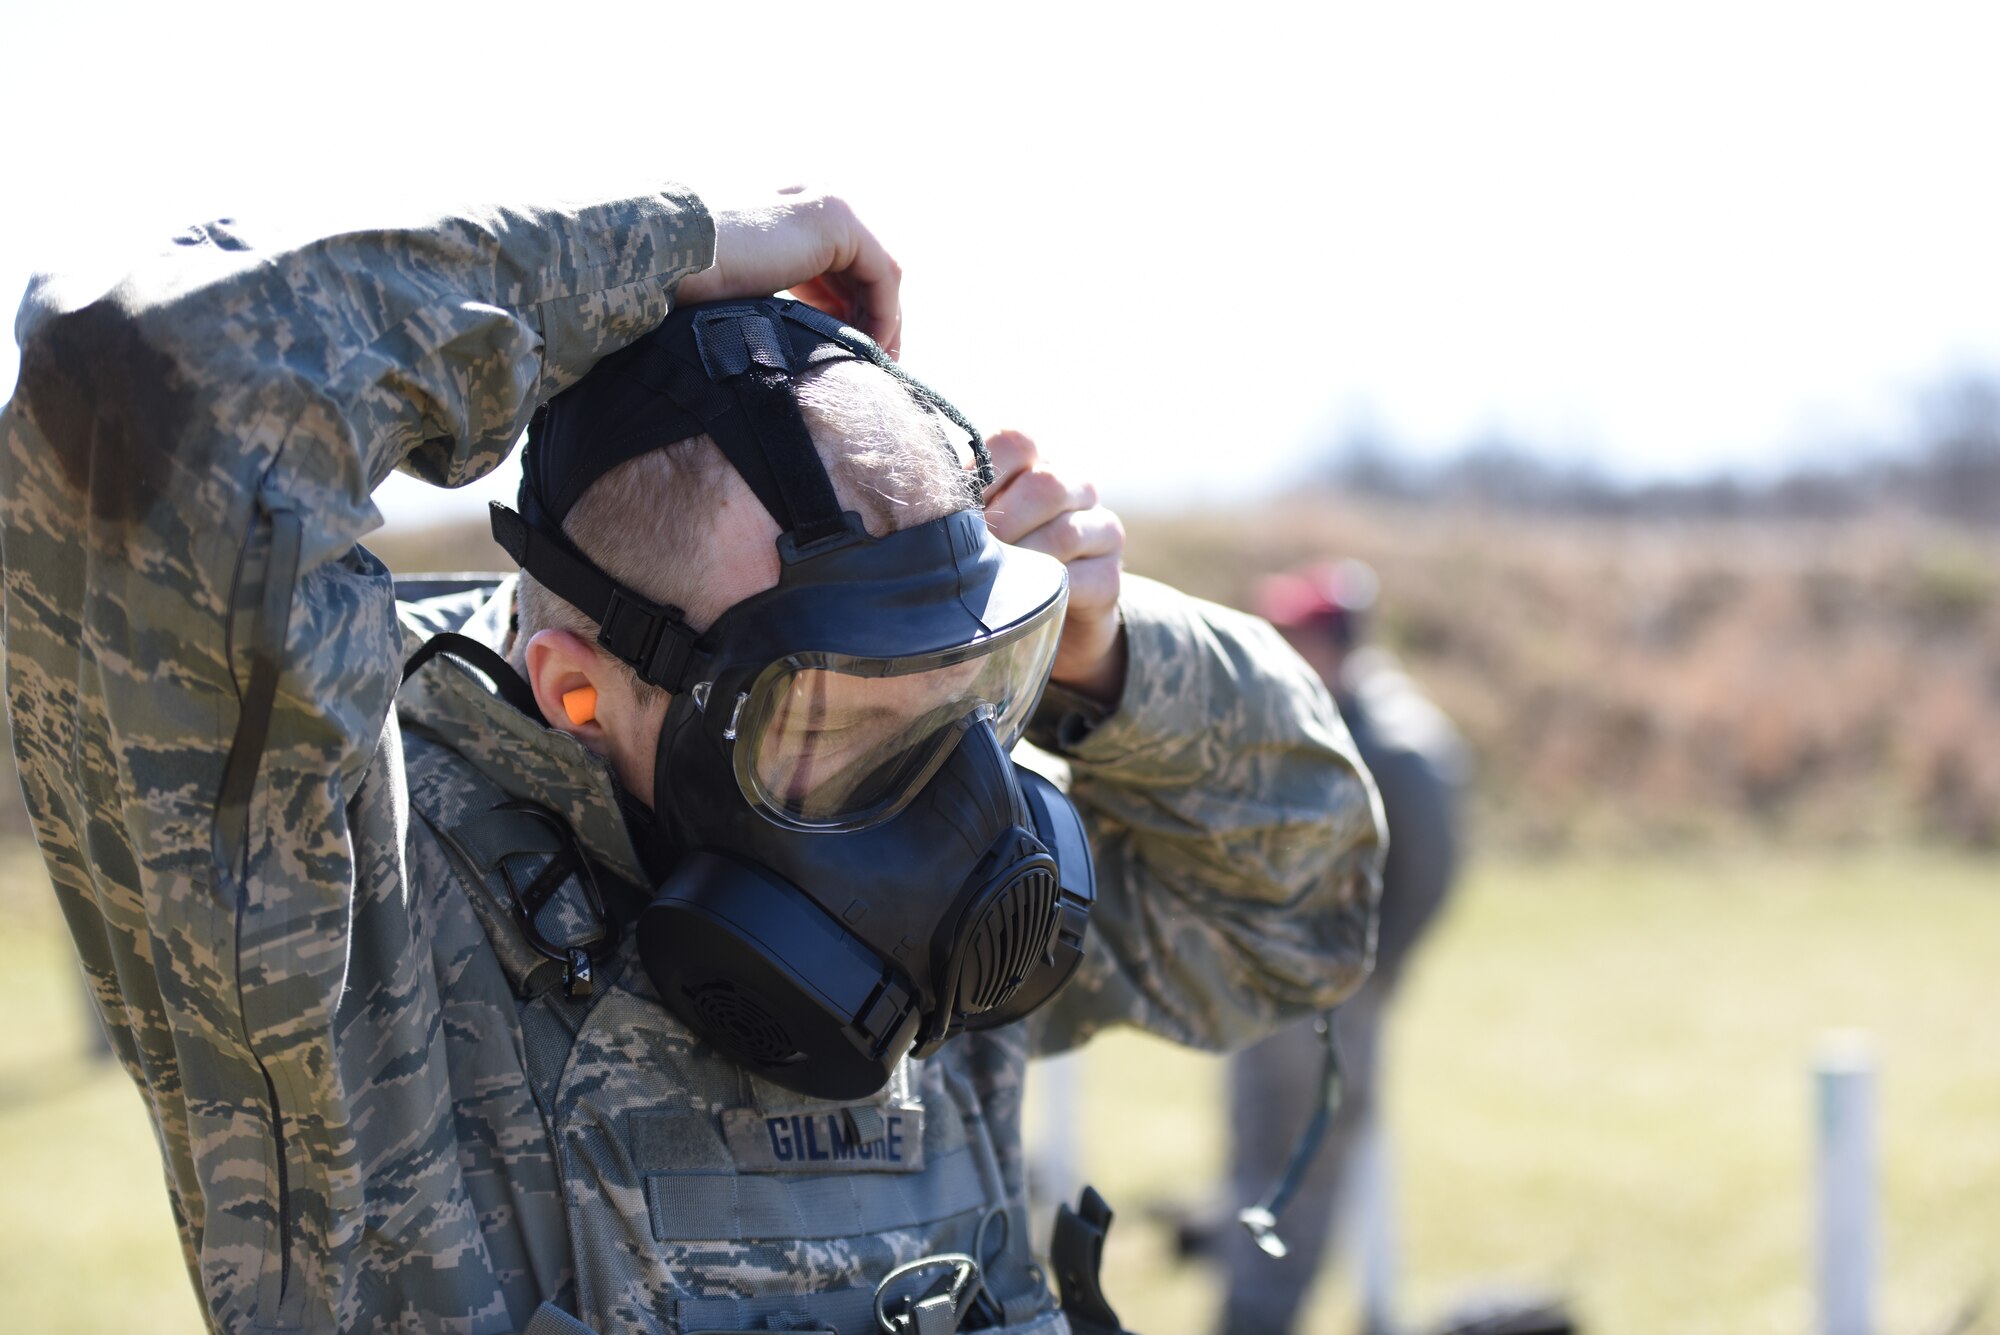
[113, 406]
[1360, 850]
[1348, 946]
[1347, 905]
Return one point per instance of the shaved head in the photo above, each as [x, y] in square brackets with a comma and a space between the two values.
[655, 522]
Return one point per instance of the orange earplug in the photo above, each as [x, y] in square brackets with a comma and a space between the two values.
[581, 705]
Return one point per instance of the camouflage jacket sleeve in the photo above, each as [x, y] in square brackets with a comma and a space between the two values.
[201, 663]
[1237, 837]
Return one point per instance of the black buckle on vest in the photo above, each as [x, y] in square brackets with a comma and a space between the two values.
[1077, 1253]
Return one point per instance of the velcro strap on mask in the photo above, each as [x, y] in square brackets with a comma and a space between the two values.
[727, 370]
[765, 438]
[654, 638]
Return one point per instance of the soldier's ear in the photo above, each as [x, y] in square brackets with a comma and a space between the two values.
[572, 685]
[583, 691]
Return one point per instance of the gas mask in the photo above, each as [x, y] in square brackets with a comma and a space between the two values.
[854, 868]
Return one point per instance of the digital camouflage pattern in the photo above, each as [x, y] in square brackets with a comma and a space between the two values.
[1236, 836]
[1421, 766]
[376, 1108]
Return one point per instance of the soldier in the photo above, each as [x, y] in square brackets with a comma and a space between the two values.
[1420, 766]
[656, 944]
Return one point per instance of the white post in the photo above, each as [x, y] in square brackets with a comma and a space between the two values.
[1371, 1217]
[1055, 1172]
[1845, 1087]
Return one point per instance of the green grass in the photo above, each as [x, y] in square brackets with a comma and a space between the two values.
[1600, 1083]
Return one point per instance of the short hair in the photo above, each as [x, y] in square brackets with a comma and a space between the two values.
[645, 521]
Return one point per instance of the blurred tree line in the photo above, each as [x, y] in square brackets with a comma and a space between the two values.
[1813, 656]
[1949, 469]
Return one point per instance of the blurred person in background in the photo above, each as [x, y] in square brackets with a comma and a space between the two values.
[1421, 768]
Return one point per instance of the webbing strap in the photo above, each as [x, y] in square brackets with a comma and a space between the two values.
[736, 384]
[751, 1206]
[767, 443]
[482, 658]
[654, 638]
[837, 1312]
[552, 1320]
[548, 1032]
[745, 350]
[844, 1312]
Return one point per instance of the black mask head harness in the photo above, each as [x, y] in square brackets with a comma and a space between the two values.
[851, 865]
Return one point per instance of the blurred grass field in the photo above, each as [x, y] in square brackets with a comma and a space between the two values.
[1600, 1084]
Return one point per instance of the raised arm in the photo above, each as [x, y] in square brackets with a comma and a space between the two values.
[1238, 842]
[1238, 847]
[201, 664]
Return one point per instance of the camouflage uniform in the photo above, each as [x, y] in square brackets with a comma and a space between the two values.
[376, 1109]
[1420, 766]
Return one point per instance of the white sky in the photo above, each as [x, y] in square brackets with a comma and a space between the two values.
[1185, 247]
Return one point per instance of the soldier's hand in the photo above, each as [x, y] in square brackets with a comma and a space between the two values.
[813, 244]
[1032, 505]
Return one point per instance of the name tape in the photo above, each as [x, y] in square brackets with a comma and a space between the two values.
[865, 1138]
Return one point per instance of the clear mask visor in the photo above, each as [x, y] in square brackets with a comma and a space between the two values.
[839, 742]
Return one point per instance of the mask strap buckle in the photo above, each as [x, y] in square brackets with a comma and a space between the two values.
[649, 636]
[653, 638]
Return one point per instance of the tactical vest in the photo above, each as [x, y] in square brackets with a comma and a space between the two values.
[698, 1197]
